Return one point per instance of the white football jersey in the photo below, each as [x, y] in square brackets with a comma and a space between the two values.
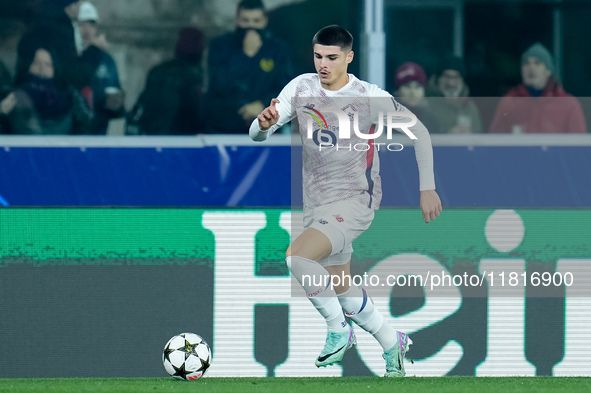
[338, 165]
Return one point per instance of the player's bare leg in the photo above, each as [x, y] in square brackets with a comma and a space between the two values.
[302, 259]
[342, 277]
[311, 244]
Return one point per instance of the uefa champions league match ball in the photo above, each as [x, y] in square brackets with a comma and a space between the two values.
[186, 356]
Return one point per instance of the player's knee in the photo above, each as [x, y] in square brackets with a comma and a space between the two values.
[293, 260]
[309, 249]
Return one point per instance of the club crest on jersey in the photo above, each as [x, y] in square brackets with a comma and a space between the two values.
[322, 221]
[267, 65]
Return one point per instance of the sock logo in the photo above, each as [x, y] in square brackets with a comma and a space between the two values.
[316, 293]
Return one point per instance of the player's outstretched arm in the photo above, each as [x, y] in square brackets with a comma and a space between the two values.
[278, 113]
[269, 116]
[430, 205]
[262, 126]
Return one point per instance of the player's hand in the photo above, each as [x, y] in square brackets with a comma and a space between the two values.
[100, 42]
[252, 43]
[430, 205]
[269, 115]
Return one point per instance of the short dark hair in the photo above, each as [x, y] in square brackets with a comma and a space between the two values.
[251, 5]
[334, 35]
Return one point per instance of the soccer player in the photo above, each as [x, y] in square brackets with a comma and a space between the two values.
[342, 189]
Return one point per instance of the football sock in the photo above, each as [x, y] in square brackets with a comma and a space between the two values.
[315, 280]
[359, 306]
[386, 336]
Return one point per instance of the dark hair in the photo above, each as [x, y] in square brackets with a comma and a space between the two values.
[251, 5]
[452, 62]
[25, 59]
[334, 35]
[189, 46]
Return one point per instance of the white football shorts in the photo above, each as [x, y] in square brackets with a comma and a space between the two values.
[342, 222]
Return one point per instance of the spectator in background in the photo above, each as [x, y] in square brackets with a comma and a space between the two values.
[5, 90]
[101, 88]
[247, 68]
[410, 80]
[5, 81]
[43, 102]
[172, 101]
[455, 112]
[539, 104]
[56, 29]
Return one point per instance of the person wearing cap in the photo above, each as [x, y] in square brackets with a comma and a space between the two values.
[410, 80]
[456, 113]
[246, 68]
[539, 104]
[88, 20]
[101, 86]
[172, 101]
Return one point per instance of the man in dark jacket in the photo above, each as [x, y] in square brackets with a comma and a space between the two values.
[455, 111]
[171, 103]
[101, 79]
[247, 68]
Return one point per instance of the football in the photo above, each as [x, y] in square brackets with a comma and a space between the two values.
[186, 356]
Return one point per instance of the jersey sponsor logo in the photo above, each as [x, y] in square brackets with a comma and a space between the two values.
[322, 136]
[338, 217]
[267, 65]
[392, 121]
[316, 115]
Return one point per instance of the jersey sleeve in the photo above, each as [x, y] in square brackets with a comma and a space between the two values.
[284, 108]
[423, 148]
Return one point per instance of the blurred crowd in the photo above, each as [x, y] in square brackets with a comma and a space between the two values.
[539, 104]
[66, 82]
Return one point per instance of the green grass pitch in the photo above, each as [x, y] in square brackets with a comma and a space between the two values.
[301, 385]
